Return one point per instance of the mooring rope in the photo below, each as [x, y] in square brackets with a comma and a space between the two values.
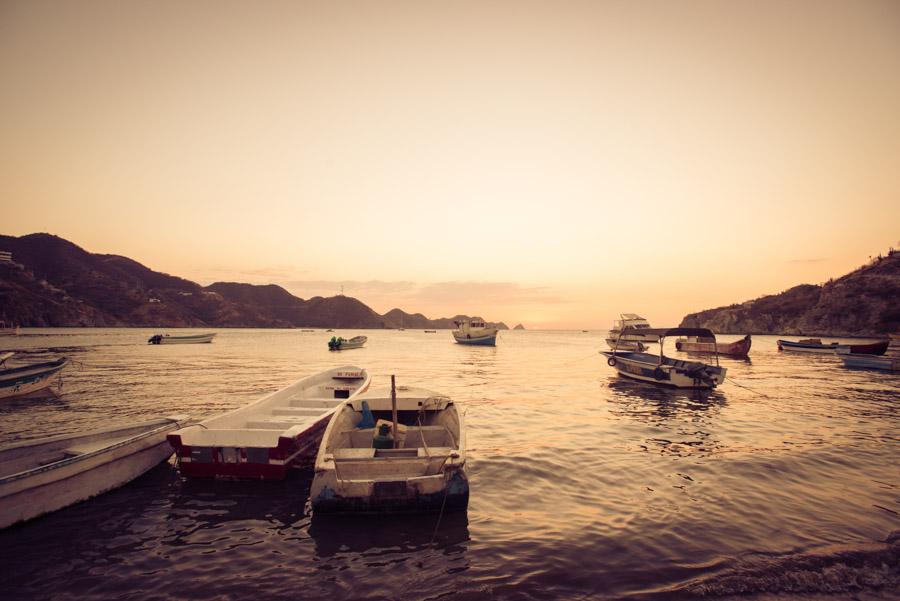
[733, 381]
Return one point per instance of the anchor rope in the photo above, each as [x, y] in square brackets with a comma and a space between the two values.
[735, 382]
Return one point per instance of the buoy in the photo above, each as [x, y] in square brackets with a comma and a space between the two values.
[611, 361]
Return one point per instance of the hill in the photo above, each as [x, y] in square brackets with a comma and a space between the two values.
[53, 282]
[865, 302]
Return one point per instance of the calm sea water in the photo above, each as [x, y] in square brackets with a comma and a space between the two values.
[584, 485]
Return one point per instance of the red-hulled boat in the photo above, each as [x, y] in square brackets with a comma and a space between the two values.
[694, 344]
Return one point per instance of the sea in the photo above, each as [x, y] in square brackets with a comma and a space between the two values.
[783, 483]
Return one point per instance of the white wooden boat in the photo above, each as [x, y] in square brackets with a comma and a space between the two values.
[475, 332]
[637, 325]
[665, 370]
[425, 471]
[29, 379]
[695, 344]
[192, 339]
[862, 361]
[342, 344]
[815, 345]
[626, 345]
[40, 476]
[269, 436]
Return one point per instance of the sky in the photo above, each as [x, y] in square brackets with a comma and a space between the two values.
[546, 163]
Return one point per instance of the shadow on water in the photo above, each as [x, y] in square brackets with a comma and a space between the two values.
[638, 398]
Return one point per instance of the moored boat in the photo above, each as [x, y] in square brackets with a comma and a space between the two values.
[864, 361]
[637, 326]
[342, 344]
[665, 370]
[362, 468]
[191, 339]
[815, 345]
[40, 476]
[695, 344]
[28, 379]
[475, 332]
[626, 345]
[8, 329]
[269, 436]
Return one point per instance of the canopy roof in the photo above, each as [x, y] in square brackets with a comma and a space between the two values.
[663, 332]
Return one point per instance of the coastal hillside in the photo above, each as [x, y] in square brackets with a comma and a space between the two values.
[52, 282]
[865, 302]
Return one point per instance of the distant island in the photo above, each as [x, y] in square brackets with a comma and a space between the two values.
[865, 302]
[46, 281]
[519, 327]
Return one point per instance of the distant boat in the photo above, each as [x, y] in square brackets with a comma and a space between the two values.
[475, 332]
[40, 476]
[665, 370]
[340, 344]
[693, 344]
[360, 469]
[264, 439]
[636, 324]
[28, 379]
[815, 345]
[191, 339]
[864, 361]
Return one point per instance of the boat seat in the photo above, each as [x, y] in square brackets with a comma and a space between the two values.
[435, 436]
[299, 411]
[345, 454]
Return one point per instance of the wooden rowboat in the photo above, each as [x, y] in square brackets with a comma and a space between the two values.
[40, 476]
[694, 344]
[269, 436]
[863, 361]
[423, 472]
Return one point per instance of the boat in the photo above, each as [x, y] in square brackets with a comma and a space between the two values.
[341, 344]
[192, 339]
[423, 468]
[636, 323]
[626, 345]
[694, 344]
[475, 332]
[8, 329]
[271, 435]
[40, 476]
[28, 379]
[864, 361]
[665, 370]
[815, 345]
[431, 331]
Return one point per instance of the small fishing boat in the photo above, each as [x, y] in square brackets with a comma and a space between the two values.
[192, 339]
[340, 344]
[475, 332]
[626, 345]
[361, 467]
[269, 436]
[665, 370]
[864, 361]
[694, 344]
[40, 476]
[637, 326]
[815, 345]
[28, 379]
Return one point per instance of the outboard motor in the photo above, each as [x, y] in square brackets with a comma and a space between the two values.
[156, 339]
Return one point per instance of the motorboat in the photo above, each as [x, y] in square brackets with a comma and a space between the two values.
[191, 339]
[475, 332]
[40, 476]
[28, 379]
[695, 344]
[400, 454]
[665, 370]
[815, 345]
[269, 436]
[342, 344]
[637, 326]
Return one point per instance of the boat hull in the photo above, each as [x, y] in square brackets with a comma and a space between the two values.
[198, 339]
[738, 348]
[79, 475]
[488, 340]
[673, 373]
[873, 348]
[862, 361]
[27, 380]
[450, 493]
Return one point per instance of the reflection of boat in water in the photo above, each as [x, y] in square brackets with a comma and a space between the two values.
[40, 476]
[27, 379]
[665, 370]
[365, 464]
[264, 439]
[695, 344]
[475, 332]
[192, 339]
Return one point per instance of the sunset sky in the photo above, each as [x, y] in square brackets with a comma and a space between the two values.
[550, 163]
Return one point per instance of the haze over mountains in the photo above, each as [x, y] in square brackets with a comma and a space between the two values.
[53, 282]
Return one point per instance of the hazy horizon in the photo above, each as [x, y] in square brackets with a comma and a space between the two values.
[551, 165]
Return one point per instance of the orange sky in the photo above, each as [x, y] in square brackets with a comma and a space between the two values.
[547, 163]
